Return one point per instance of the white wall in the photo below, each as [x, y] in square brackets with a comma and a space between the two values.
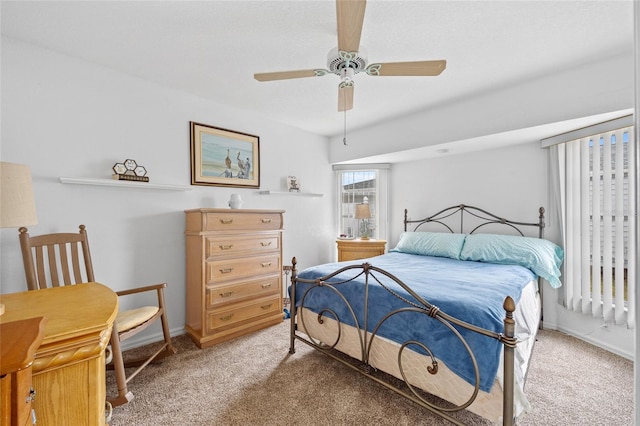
[591, 89]
[67, 117]
[511, 182]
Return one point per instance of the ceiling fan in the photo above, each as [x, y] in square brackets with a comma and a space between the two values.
[349, 58]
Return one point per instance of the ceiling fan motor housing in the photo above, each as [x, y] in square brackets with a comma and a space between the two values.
[337, 61]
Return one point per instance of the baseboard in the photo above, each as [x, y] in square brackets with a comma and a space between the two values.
[591, 340]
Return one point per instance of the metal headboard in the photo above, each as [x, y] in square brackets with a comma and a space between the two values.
[447, 216]
[485, 218]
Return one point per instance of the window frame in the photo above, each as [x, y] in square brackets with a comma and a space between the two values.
[379, 206]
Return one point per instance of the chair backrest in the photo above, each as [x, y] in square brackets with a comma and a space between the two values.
[53, 260]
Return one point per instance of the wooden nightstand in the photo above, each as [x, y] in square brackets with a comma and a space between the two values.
[359, 249]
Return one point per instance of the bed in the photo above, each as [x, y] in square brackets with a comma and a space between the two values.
[451, 314]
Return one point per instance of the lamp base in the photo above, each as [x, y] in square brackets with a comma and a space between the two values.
[364, 238]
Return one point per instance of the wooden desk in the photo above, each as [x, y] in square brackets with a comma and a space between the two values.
[69, 365]
[359, 249]
[18, 343]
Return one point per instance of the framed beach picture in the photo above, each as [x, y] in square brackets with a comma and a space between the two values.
[224, 157]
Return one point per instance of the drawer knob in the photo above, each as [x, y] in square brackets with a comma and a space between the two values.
[265, 307]
[226, 247]
[226, 317]
[226, 270]
[266, 264]
[265, 243]
[266, 220]
[226, 221]
[266, 285]
[226, 294]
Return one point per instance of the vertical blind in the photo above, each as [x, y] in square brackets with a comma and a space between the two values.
[597, 193]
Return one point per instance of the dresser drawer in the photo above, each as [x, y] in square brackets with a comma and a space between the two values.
[228, 317]
[230, 245]
[232, 269]
[234, 221]
[218, 295]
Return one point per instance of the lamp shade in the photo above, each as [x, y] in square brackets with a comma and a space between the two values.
[17, 207]
[363, 211]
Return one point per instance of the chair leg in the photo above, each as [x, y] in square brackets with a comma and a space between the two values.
[167, 349]
[124, 396]
[170, 350]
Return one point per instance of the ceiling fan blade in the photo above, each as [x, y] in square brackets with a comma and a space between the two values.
[284, 75]
[345, 97]
[350, 15]
[417, 68]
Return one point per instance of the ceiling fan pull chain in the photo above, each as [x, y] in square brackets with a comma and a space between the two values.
[344, 139]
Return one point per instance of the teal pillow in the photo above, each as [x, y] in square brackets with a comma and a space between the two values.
[431, 244]
[540, 256]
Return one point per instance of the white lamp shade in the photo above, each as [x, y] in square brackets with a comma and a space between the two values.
[363, 211]
[17, 207]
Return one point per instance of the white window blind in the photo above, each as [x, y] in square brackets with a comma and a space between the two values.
[596, 183]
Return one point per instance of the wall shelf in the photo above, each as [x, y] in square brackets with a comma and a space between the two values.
[124, 183]
[297, 194]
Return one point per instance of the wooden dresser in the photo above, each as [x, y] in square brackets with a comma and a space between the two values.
[234, 272]
[69, 365]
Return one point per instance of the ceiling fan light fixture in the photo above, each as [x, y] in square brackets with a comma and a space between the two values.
[346, 74]
[338, 60]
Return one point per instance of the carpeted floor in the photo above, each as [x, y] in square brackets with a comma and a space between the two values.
[252, 380]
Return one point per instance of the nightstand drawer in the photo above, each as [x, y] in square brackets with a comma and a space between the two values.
[218, 295]
[223, 318]
[359, 249]
[223, 245]
[232, 269]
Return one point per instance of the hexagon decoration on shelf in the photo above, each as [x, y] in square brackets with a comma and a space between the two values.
[129, 169]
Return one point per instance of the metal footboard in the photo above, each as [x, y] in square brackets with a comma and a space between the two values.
[417, 304]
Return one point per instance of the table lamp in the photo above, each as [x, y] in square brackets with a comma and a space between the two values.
[17, 207]
[363, 213]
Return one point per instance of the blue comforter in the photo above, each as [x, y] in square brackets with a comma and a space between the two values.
[471, 291]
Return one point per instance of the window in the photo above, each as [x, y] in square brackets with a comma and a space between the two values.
[595, 181]
[357, 184]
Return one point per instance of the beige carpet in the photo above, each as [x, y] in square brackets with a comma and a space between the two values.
[253, 380]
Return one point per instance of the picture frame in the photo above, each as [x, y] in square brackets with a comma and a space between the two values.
[222, 157]
[293, 184]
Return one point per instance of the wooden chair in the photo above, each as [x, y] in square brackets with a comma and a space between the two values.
[64, 259]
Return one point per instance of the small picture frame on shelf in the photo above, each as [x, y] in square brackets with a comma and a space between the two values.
[293, 184]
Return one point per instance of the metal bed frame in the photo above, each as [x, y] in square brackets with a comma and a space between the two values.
[379, 276]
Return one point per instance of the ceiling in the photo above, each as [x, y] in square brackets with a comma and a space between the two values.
[212, 48]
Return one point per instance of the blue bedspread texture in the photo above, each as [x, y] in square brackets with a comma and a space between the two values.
[471, 291]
